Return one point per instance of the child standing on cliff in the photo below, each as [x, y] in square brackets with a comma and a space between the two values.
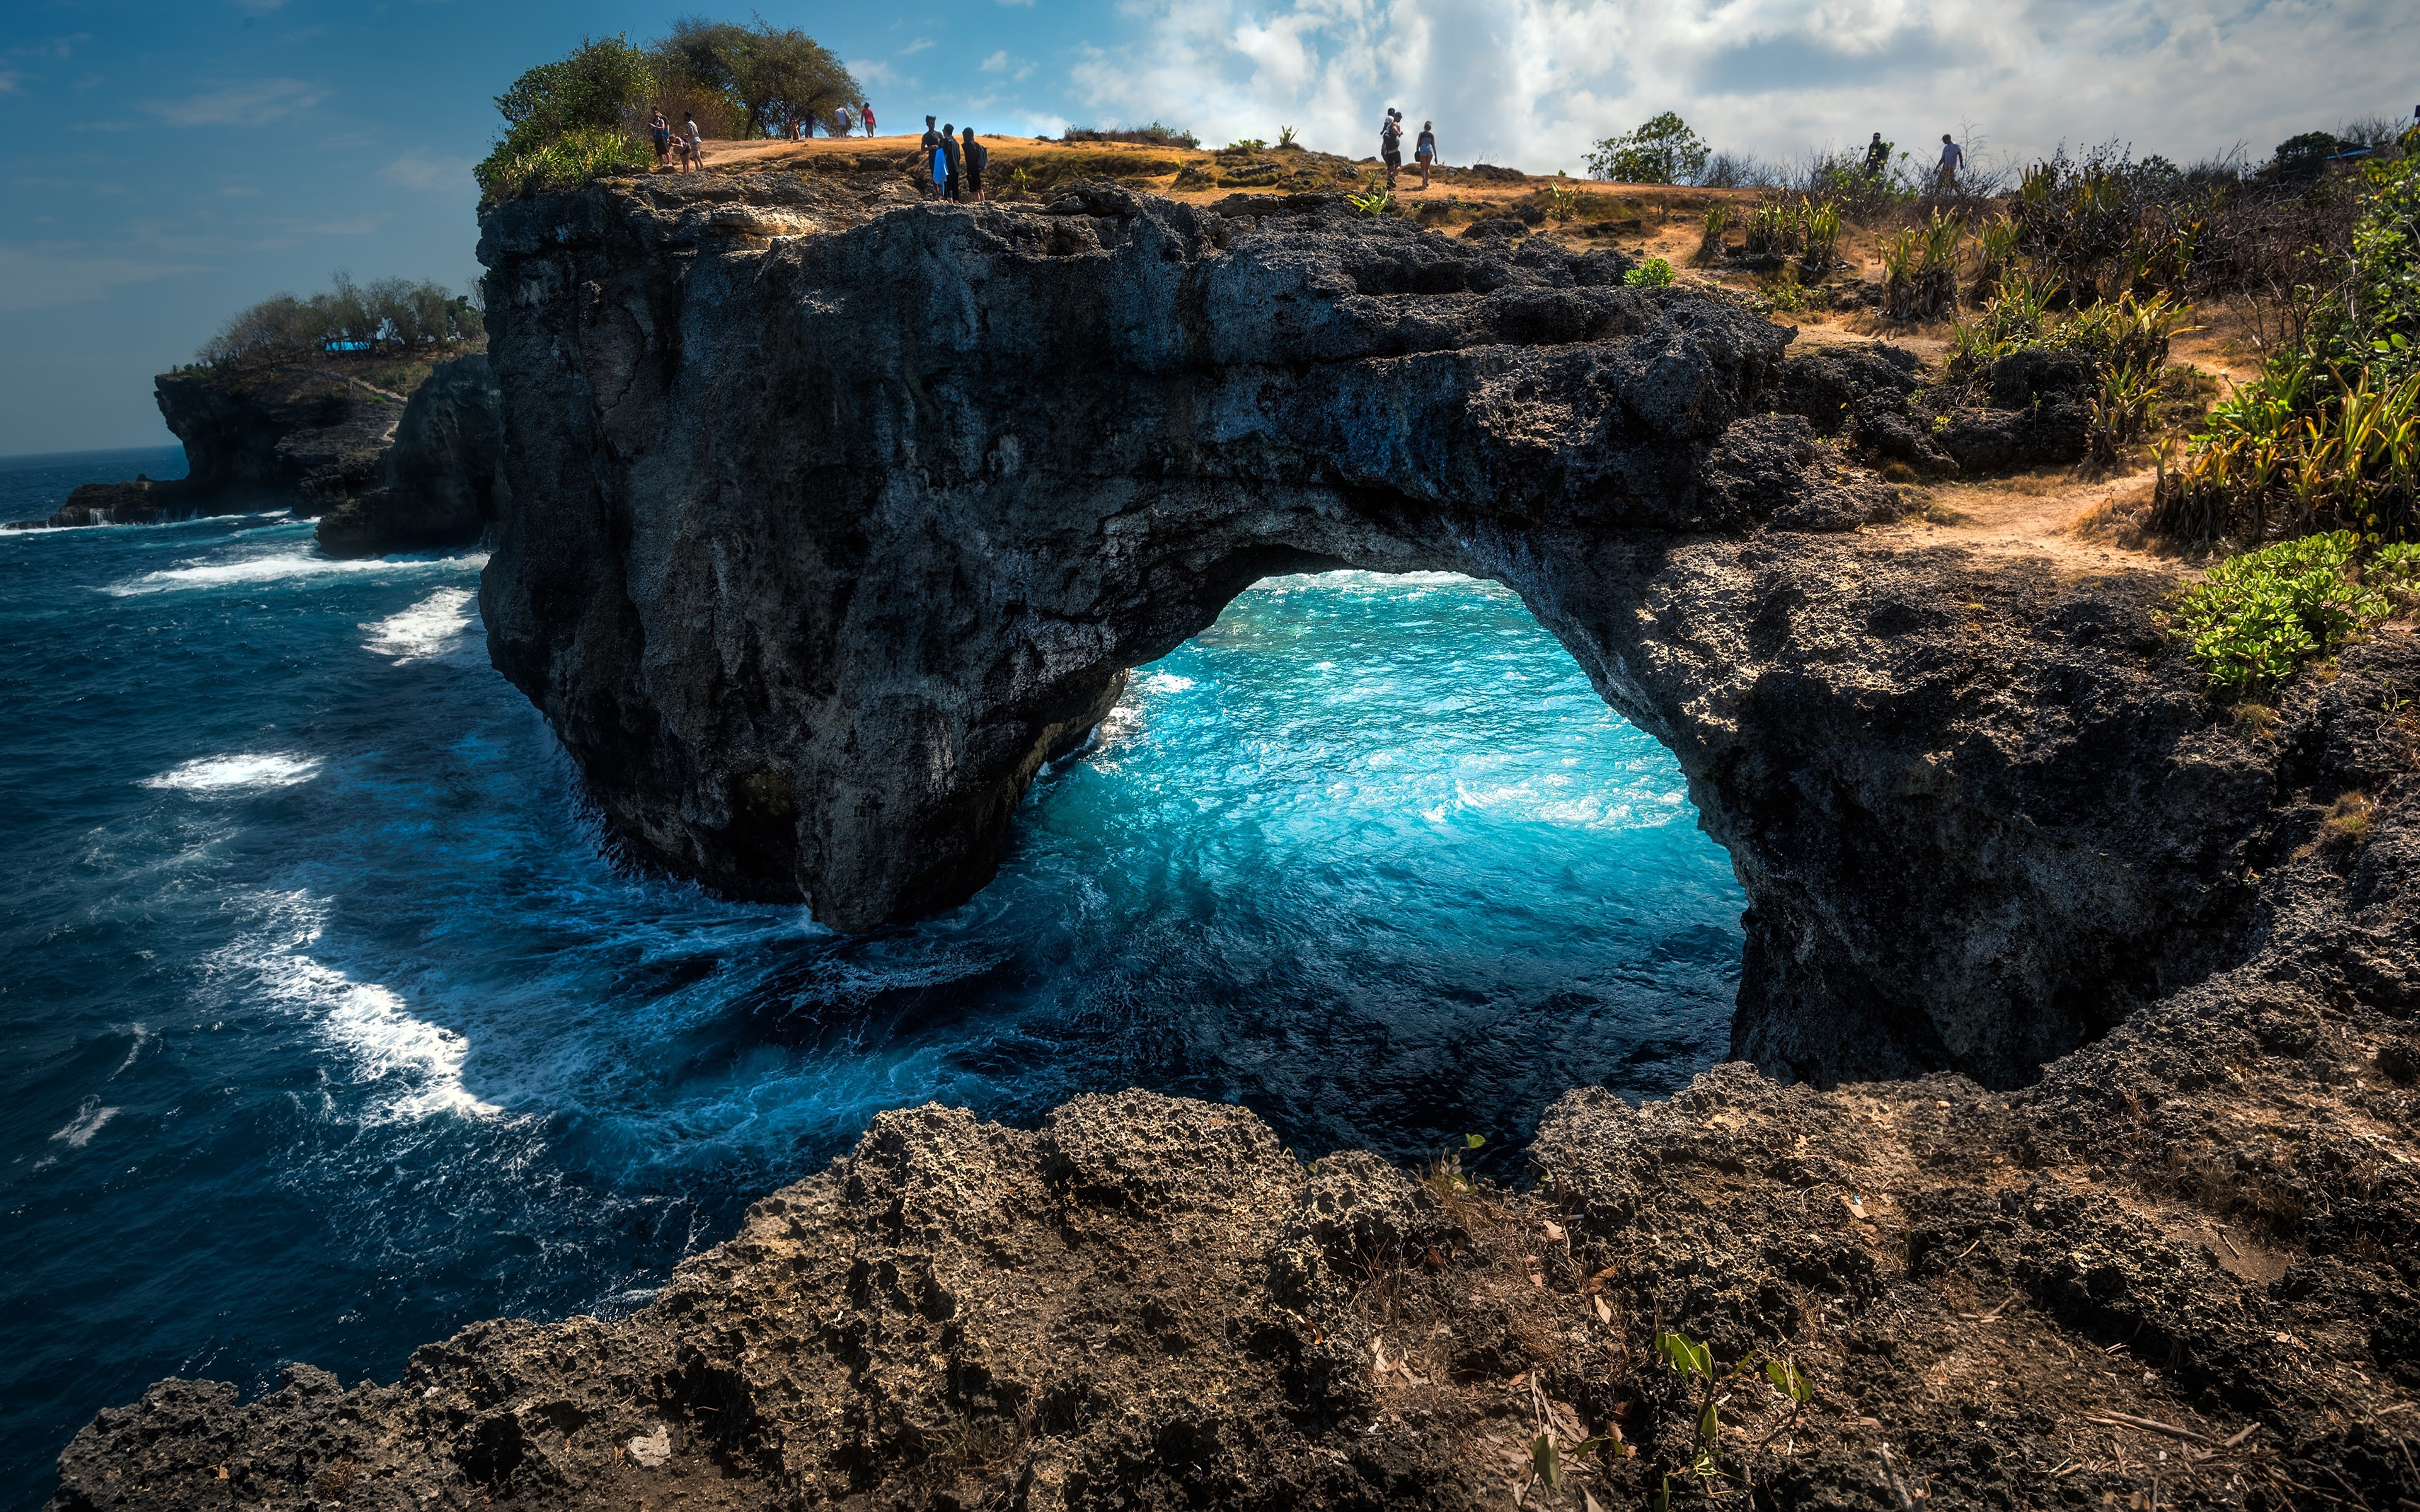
[865, 116]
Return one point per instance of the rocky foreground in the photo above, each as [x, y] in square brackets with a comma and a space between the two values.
[2074, 1164]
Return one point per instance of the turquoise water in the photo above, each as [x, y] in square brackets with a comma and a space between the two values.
[327, 1030]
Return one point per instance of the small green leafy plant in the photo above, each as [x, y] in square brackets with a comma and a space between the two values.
[1653, 273]
[1713, 1385]
[1563, 201]
[1285, 138]
[1445, 1175]
[2255, 618]
[1376, 201]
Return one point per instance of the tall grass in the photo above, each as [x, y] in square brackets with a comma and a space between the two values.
[565, 163]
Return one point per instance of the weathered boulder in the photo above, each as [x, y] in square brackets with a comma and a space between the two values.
[441, 481]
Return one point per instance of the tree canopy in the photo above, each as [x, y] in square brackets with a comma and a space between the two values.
[1660, 151]
[779, 80]
[393, 313]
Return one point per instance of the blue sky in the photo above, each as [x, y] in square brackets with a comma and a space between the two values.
[175, 162]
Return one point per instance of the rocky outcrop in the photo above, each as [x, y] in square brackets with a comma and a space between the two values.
[400, 473]
[441, 481]
[2028, 409]
[822, 544]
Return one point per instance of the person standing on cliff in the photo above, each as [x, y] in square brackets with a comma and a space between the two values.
[1424, 152]
[951, 154]
[694, 138]
[660, 131]
[1952, 159]
[1391, 143]
[978, 156]
[1877, 156]
[935, 175]
[865, 116]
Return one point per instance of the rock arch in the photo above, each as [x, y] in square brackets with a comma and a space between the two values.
[821, 544]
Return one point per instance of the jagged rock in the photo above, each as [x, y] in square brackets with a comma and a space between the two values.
[442, 481]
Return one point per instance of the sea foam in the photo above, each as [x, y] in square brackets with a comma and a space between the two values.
[253, 571]
[226, 774]
[435, 629]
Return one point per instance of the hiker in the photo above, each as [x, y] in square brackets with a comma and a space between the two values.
[1877, 156]
[977, 155]
[659, 132]
[865, 114]
[955, 162]
[1952, 159]
[935, 169]
[1424, 152]
[692, 136]
[1391, 142]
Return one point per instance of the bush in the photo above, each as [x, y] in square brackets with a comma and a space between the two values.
[1153, 135]
[1653, 273]
[393, 315]
[582, 113]
[1659, 151]
[2255, 617]
[2328, 436]
[759, 82]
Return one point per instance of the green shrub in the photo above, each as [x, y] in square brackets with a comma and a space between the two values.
[570, 121]
[2255, 618]
[1653, 273]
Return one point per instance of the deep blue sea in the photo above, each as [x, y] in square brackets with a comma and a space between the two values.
[324, 1028]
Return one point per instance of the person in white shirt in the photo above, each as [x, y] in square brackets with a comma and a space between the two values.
[1391, 142]
[1952, 159]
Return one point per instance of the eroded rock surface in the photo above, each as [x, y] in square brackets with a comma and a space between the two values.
[442, 481]
[822, 543]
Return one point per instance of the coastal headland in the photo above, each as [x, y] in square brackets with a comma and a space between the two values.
[2068, 1160]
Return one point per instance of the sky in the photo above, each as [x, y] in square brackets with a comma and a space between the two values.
[174, 163]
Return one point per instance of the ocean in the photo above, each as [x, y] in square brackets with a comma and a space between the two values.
[326, 1028]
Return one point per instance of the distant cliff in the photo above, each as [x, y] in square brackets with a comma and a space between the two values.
[442, 481]
[316, 438]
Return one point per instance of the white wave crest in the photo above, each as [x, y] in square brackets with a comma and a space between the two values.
[222, 773]
[435, 629]
[248, 571]
[86, 1123]
[1166, 683]
[412, 1067]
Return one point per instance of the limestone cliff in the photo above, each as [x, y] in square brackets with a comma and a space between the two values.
[441, 483]
[822, 544]
[401, 473]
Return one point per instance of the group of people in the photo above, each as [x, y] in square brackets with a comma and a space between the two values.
[1944, 174]
[954, 164]
[1390, 146]
[685, 146]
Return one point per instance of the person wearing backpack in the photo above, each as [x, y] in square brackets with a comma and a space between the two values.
[955, 162]
[1391, 143]
[977, 156]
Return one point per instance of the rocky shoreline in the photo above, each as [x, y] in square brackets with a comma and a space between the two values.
[2074, 1163]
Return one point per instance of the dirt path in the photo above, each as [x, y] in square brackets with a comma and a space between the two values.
[2052, 513]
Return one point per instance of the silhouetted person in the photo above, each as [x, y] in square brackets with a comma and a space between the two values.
[977, 156]
[1877, 156]
[935, 170]
[956, 162]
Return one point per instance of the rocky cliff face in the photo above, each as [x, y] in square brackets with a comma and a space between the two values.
[441, 481]
[822, 544]
[399, 474]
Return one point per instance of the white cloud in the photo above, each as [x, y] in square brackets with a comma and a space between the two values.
[872, 71]
[1533, 82]
[41, 275]
[997, 63]
[425, 171]
[242, 104]
[915, 47]
[10, 80]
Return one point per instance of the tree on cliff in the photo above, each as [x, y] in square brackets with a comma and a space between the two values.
[1660, 151]
[772, 81]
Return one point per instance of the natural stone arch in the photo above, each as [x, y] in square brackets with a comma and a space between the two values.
[821, 546]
